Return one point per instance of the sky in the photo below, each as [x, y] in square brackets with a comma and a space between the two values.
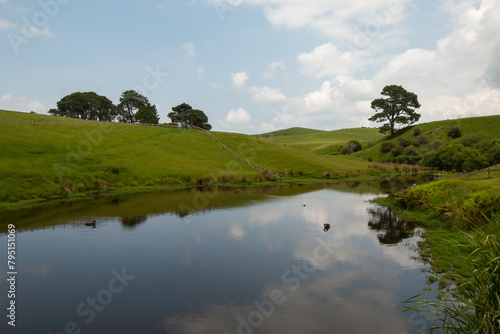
[255, 66]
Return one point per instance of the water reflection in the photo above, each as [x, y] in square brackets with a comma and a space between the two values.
[252, 261]
[132, 222]
[391, 229]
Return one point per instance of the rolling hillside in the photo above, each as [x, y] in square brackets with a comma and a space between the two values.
[434, 135]
[322, 142]
[47, 157]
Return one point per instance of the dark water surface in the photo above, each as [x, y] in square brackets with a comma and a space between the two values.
[255, 260]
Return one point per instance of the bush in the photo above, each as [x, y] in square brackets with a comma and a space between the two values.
[226, 177]
[471, 140]
[397, 150]
[351, 147]
[404, 142]
[420, 140]
[346, 150]
[355, 145]
[457, 157]
[410, 150]
[416, 132]
[493, 154]
[454, 132]
[434, 145]
[386, 147]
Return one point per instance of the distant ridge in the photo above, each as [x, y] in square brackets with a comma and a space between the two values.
[295, 131]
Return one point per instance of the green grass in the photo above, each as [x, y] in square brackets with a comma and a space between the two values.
[64, 157]
[324, 142]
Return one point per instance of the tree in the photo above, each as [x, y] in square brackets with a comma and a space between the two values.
[186, 116]
[398, 107]
[130, 102]
[86, 105]
[147, 114]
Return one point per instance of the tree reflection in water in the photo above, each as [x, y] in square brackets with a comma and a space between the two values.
[132, 222]
[391, 228]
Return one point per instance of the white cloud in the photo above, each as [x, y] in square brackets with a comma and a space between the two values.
[190, 49]
[273, 68]
[328, 60]
[238, 117]
[334, 18]
[239, 79]
[14, 103]
[260, 94]
[267, 94]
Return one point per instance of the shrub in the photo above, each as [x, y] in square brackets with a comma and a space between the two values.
[355, 145]
[386, 147]
[397, 150]
[420, 140]
[226, 177]
[454, 132]
[434, 145]
[268, 174]
[206, 181]
[404, 142]
[416, 132]
[471, 140]
[346, 150]
[410, 150]
[494, 154]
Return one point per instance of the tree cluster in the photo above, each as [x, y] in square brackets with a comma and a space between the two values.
[185, 116]
[133, 107]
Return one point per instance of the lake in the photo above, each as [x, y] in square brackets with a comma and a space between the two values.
[249, 260]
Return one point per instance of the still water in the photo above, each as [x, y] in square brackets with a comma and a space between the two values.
[255, 260]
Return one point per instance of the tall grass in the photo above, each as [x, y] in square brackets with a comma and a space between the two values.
[472, 306]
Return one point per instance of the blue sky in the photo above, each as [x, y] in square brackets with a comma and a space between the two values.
[255, 65]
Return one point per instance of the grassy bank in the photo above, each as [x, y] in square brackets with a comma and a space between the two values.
[447, 208]
[473, 305]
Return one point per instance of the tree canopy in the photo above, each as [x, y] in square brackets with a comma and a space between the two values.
[147, 114]
[398, 107]
[133, 107]
[185, 116]
[86, 105]
[130, 103]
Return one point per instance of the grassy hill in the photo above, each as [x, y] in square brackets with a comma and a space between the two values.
[295, 131]
[46, 157]
[432, 136]
[322, 142]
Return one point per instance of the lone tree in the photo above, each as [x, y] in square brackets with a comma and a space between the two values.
[398, 107]
[130, 103]
[86, 105]
[186, 116]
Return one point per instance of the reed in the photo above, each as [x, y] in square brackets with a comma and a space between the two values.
[472, 306]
